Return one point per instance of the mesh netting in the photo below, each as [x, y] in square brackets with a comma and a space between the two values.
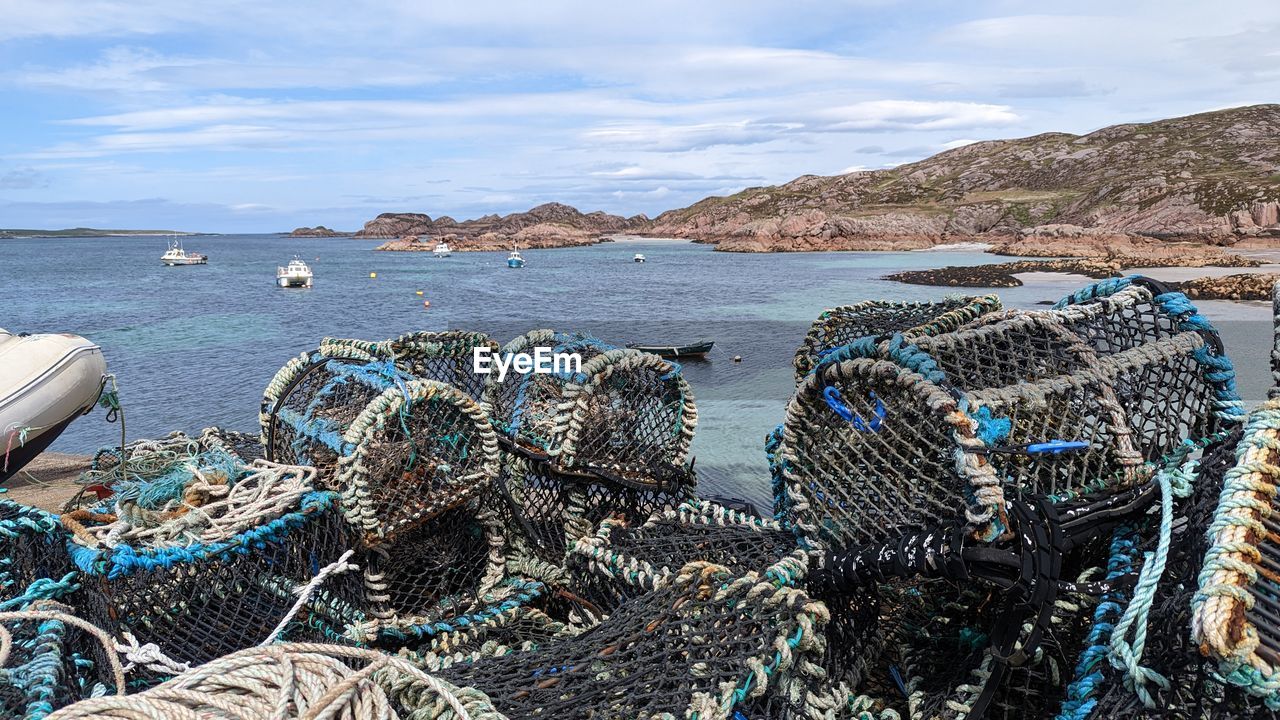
[707, 645]
[1015, 403]
[618, 563]
[215, 568]
[31, 548]
[544, 511]
[447, 357]
[623, 413]
[842, 325]
[401, 450]
[48, 662]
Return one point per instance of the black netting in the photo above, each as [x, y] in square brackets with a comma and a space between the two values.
[199, 589]
[842, 325]
[707, 643]
[49, 663]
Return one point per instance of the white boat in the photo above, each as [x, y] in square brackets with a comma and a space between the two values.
[297, 274]
[514, 260]
[442, 249]
[175, 255]
[46, 381]
[639, 257]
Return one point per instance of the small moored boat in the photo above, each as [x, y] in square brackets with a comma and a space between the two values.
[514, 260]
[46, 381]
[175, 255]
[638, 258]
[442, 249]
[696, 350]
[297, 274]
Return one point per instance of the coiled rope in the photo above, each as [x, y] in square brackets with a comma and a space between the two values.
[306, 681]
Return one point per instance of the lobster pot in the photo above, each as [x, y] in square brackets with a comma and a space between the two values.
[31, 548]
[49, 664]
[544, 511]
[617, 564]
[883, 437]
[219, 568]
[435, 571]
[401, 450]
[839, 326]
[623, 414]
[706, 646]
[448, 357]
[247, 447]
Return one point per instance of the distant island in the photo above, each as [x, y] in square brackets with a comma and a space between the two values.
[1171, 188]
[546, 226]
[317, 231]
[87, 232]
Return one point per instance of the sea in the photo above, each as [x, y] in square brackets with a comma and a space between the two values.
[195, 346]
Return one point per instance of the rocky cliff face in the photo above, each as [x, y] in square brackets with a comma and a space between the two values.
[1212, 177]
[549, 225]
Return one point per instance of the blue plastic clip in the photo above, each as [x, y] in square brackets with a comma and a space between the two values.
[1055, 447]
[836, 403]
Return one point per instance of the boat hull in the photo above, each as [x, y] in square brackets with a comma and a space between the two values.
[46, 381]
[515, 263]
[698, 350]
[293, 282]
[186, 261]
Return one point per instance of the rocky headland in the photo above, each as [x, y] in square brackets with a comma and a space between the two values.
[545, 226]
[1211, 179]
[317, 231]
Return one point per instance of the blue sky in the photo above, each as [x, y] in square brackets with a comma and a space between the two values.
[261, 116]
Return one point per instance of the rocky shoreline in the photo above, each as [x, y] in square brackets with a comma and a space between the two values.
[1003, 275]
[1245, 286]
[317, 231]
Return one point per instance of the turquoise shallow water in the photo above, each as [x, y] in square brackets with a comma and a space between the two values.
[195, 346]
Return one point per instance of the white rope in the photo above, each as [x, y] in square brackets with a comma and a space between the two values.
[148, 655]
[304, 592]
[301, 681]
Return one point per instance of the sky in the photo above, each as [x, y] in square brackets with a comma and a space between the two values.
[260, 116]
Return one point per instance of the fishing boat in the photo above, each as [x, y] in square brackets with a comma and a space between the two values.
[175, 255]
[46, 381]
[442, 249]
[638, 258]
[695, 350]
[297, 274]
[514, 260]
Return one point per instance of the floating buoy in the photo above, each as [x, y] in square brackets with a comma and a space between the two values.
[737, 358]
[418, 293]
[426, 303]
[373, 275]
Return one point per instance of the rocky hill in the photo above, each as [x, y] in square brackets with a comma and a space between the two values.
[548, 225]
[1212, 177]
[317, 231]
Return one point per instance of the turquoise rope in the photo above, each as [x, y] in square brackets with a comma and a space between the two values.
[1126, 654]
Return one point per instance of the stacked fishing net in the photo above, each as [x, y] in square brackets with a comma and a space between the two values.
[708, 644]
[49, 659]
[215, 563]
[839, 326]
[583, 443]
[974, 479]
[409, 454]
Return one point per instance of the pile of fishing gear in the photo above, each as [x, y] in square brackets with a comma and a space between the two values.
[978, 512]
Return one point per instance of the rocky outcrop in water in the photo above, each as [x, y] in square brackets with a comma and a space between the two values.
[548, 225]
[1002, 274]
[1245, 286]
[317, 231]
[1212, 178]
